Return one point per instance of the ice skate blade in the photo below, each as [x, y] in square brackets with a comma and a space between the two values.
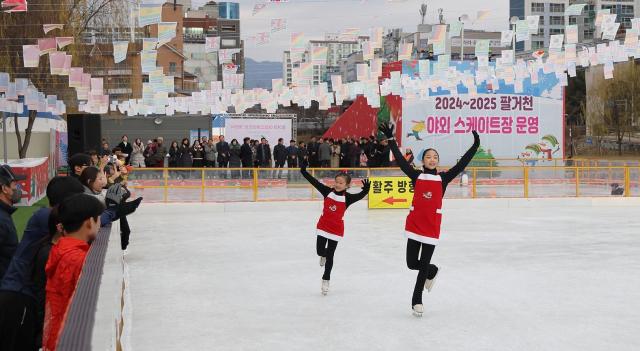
[417, 314]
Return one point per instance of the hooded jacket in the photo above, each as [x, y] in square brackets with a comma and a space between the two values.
[63, 271]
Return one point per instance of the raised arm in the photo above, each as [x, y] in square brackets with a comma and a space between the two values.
[353, 198]
[449, 175]
[411, 172]
[323, 189]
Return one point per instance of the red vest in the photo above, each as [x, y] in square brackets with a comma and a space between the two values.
[330, 225]
[423, 222]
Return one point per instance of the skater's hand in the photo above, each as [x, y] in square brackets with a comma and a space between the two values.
[366, 183]
[386, 129]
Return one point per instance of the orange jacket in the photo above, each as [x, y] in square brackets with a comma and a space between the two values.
[62, 270]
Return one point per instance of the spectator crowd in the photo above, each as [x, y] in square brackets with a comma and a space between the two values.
[205, 152]
[38, 274]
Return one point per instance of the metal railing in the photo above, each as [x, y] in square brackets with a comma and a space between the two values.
[287, 184]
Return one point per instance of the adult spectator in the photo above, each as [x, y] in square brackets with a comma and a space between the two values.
[136, 158]
[234, 158]
[185, 159]
[280, 156]
[254, 153]
[324, 153]
[197, 153]
[126, 148]
[9, 196]
[344, 153]
[335, 154]
[373, 154]
[210, 154]
[354, 153]
[173, 154]
[312, 150]
[246, 156]
[94, 181]
[223, 153]
[149, 152]
[106, 150]
[385, 152]
[77, 164]
[303, 155]
[264, 154]
[292, 159]
[160, 154]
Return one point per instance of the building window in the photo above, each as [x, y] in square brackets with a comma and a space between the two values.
[556, 31]
[541, 21]
[228, 28]
[537, 7]
[227, 43]
[557, 7]
[588, 33]
[556, 20]
[573, 20]
[172, 67]
[537, 44]
[541, 31]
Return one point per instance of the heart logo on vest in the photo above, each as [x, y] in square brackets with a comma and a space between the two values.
[333, 208]
[427, 195]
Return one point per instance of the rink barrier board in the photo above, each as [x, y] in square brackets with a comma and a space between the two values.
[260, 180]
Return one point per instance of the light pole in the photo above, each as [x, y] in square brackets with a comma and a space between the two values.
[462, 18]
[513, 20]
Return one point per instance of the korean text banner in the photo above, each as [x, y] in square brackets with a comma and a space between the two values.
[270, 129]
[522, 125]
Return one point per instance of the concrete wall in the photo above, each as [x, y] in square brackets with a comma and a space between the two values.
[38, 146]
[171, 128]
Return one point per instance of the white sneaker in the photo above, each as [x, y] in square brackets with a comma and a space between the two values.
[325, 287]
[323, 260]
[418, 310]
[428, 285]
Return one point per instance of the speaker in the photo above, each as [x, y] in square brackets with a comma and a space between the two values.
[84, 133]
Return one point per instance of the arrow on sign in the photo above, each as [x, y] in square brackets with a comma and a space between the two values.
[390, 200]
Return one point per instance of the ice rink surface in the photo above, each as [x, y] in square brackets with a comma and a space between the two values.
[549, 274]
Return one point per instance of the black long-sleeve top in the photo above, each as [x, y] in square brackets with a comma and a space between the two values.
[325, 190]
[447, 176]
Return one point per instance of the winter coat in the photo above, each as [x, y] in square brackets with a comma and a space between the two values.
[335, 156]
[303, 156]
[246, 155]
[292, 156]
[280, 153]
[137, 155]
[8, 236]
[157, 159]
[100, 196]
[234, 159]
[173, 156]
[126, 149]
[197, 152]
[264, 155]
[184, 157]
[210, 152]
[324, 152]
[63, 271]
[223, 151]
[18, 276]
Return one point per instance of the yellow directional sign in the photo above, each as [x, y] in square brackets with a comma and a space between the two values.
[390, 192]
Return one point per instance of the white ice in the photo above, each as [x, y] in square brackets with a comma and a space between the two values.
[548, 274]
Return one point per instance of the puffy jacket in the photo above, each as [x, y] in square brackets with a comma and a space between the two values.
[63, 271]
[8, 236]
[137, 155]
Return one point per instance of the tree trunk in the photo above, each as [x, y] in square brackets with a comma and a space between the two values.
[24, 146]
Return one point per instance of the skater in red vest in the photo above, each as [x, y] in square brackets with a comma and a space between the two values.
[422, 226]
[330, 227]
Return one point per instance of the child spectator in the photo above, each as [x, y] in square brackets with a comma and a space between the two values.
[78, 217]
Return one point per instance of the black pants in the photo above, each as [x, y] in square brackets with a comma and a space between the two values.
[326, 248]
[125, 231]
[18, 326]
[421, 263]
[279, 164]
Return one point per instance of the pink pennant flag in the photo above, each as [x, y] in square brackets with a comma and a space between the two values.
[63, 41]
[16, 5]
[67, 65]
[96, 86]
[75, 77]
[56, 62]
[49, 27]
[30, 55]
[47, 45]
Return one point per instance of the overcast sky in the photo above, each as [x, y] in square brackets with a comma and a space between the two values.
[316, 17]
